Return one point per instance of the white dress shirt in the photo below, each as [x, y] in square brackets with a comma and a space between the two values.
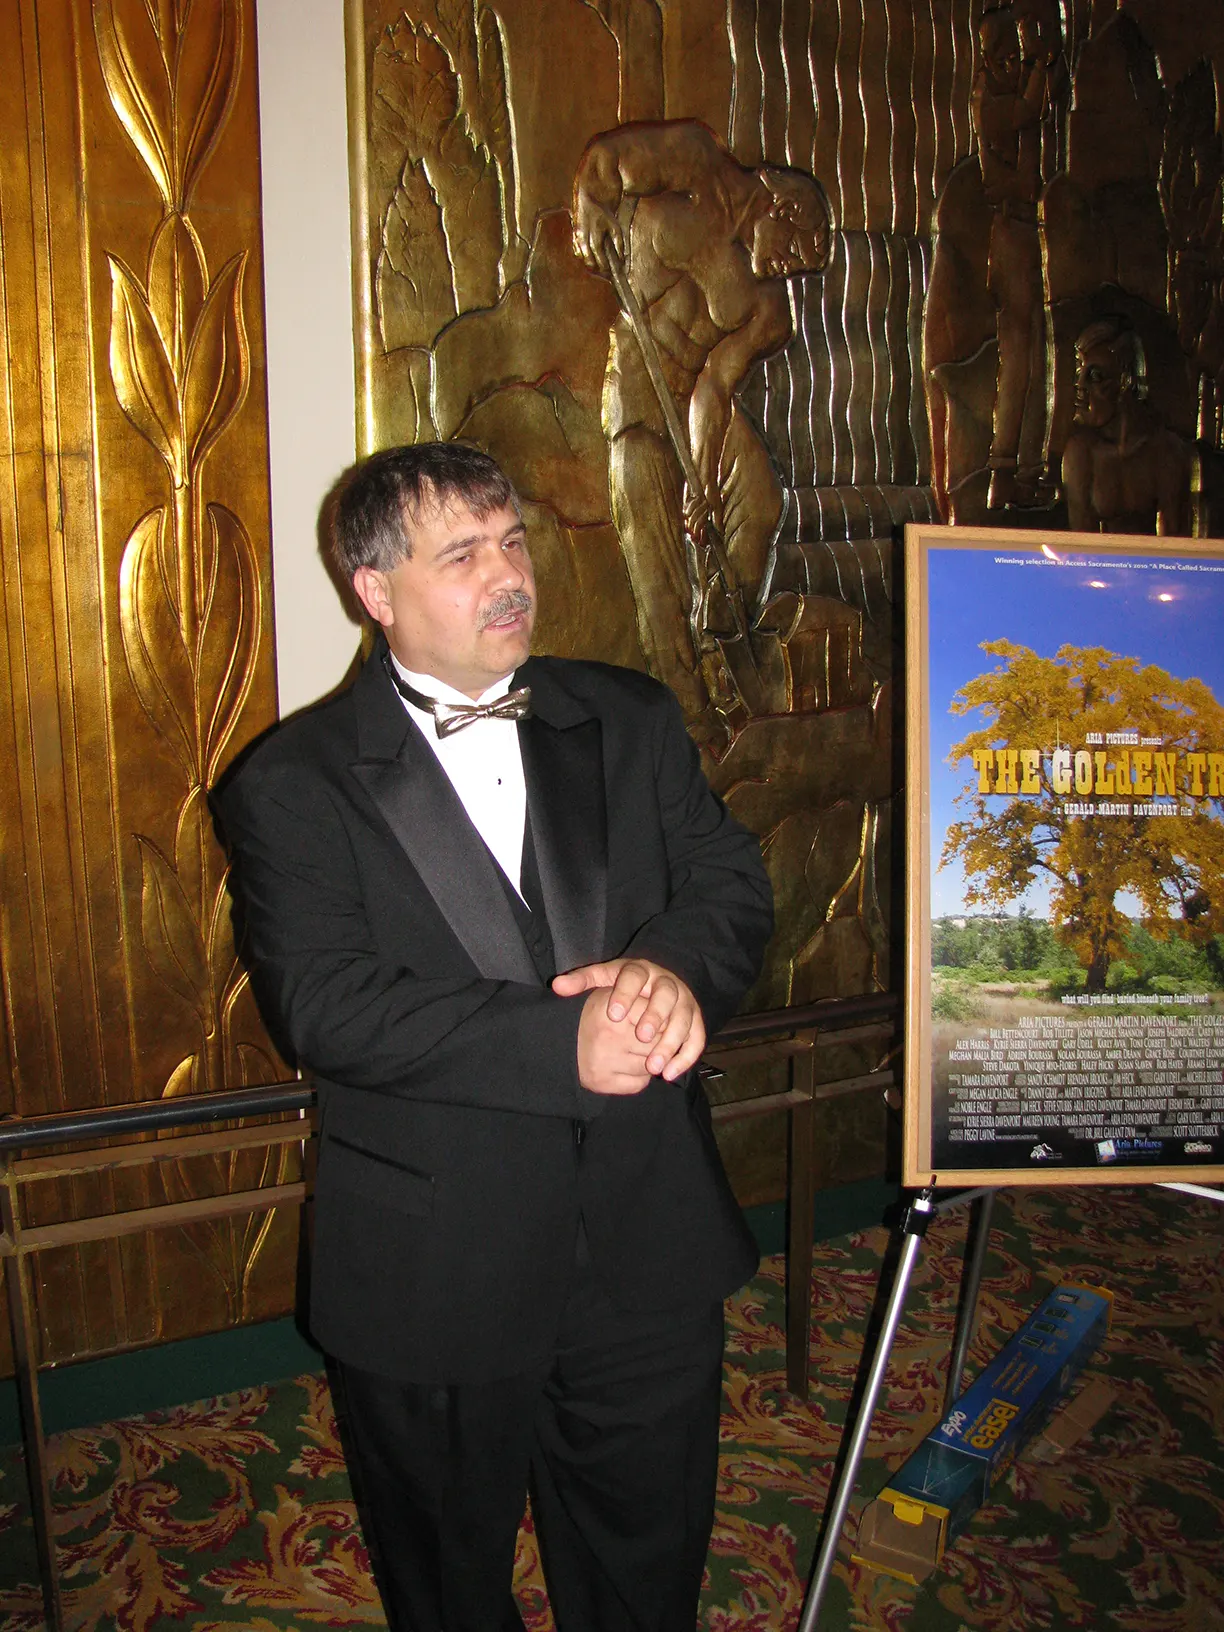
[485, 767]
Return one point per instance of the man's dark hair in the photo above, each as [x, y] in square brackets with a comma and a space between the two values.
[372, 507]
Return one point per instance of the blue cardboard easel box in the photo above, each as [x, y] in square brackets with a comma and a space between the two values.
[932, 1497]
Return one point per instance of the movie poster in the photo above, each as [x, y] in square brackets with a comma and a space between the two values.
[1066, 926]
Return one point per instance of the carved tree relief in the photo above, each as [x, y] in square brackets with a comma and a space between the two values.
[189, 594]
[135, 624]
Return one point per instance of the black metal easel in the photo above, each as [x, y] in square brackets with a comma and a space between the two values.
[919, 1212]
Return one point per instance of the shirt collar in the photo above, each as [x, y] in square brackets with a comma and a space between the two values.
[430, 686]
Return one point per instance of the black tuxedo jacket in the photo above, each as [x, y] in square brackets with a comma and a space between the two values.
[457, 1148]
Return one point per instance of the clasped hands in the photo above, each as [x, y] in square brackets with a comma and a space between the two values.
[639, 1021]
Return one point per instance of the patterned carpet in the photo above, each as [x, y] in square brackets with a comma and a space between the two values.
[236, 1513]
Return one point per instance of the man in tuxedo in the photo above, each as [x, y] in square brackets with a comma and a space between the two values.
[492, 906]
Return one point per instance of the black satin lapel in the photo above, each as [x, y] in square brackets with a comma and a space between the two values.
[421, 808]
[569, 826]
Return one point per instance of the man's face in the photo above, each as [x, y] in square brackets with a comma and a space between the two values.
[462, 606]
[1098, 385]
[790, 237]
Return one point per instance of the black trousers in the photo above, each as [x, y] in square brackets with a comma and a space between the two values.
[617, 1438]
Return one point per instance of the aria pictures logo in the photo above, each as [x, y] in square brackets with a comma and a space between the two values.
[1128, 1150]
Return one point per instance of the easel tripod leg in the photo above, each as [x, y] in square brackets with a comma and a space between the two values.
[917, 1217]
[802, 1200]
[980, 1238]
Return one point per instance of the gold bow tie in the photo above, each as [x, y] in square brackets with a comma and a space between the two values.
[452, 717]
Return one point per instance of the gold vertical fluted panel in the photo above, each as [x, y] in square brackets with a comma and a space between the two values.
[136, 628]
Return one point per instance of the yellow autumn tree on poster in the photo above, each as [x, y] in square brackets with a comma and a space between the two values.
[1091, 850]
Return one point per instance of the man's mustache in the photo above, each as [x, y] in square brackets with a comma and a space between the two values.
[501, 606]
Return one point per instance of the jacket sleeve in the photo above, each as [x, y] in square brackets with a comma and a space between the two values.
[719, 914]
[342, 1009]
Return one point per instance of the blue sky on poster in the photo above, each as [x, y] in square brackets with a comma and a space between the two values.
[1167, 610]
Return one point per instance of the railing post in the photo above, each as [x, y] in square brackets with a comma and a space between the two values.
[20, 1294]
[802, 1203]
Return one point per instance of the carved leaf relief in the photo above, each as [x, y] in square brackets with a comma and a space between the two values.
[498, 136]
[218, 363]
[206, 80]
[413, 283]
[192, 851]
[178, 283]
[230, 628]
[139, 94]
[455, 19]
[255, 1235]
[444, 134]
[182, 1080]
[142, 372]
[457, 22]
[171, 72]
[222, 956]
[465, 183]
[157, 659]
[171, 937]
[487, 110]
[256, 1065]
[415, 92]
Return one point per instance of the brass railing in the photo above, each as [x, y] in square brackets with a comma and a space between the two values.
[797, 1036]
[793, 1036]
[19, 1240]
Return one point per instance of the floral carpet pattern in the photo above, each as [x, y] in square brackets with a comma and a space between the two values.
[236, 1512]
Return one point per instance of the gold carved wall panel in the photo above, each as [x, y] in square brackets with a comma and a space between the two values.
[136, 625]
[867, 243]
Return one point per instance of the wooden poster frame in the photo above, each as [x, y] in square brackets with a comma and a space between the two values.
[1032, 549]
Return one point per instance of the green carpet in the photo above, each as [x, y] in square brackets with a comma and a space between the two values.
[236, 1512]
